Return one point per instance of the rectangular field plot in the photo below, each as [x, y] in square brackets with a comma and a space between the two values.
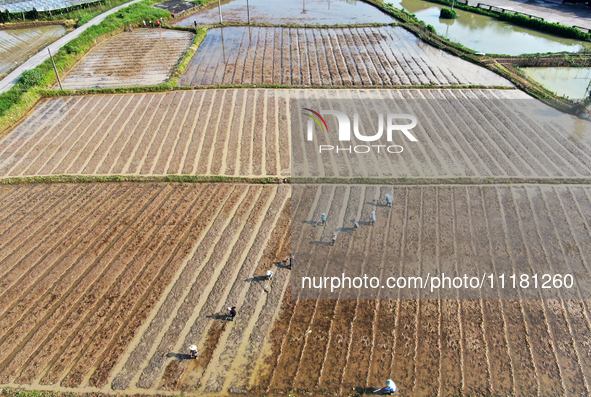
[472, 133]
[16, 45]
[92, 271]
[459, 133]
[230, 132]
[435, 347]
[376, 56]
[140, 57]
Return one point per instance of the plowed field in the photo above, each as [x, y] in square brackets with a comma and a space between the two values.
[104, 286]
[185, 132]
[248, 133]
[140, 57]
[16, 45]
[431, 347]
[379, 56]
[89, 272]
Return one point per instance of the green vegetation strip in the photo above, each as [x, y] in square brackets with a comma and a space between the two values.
[137, 178]
[46, 93]
[295, 181]
[180, 68]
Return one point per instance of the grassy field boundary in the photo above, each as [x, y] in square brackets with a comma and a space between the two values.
[169, 86]
[181, 66]
[294, 181]
[139, 178]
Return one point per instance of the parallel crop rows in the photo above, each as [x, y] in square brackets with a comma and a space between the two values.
[227, 132]
[86, 268]
[460, 133]
[140, 57]
[341, 57]
[431, 347]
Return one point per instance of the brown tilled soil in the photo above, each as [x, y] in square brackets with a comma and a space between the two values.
[139, 57]
[460, 133]
[216, 132]
[106, 285]
[372, 56]
[84, 266]
[521, 345]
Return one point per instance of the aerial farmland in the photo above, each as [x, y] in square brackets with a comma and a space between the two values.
[182, 211]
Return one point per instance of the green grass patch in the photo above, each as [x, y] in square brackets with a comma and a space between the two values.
[187, 56]
[448, 13]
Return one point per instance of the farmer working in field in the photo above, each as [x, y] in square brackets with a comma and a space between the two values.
[193, 351]
[372, 218]
[355, 225]
[323, 219]
[232, 312]
[388, 200]
[269, 275]
[290, 261]
[334, 238]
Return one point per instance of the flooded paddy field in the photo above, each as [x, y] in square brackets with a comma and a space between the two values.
[140, 57]
[473, 133]
[17, 45]
[113, 282]
[323, 12]
[489, 35]
[379, 56]
[434, 346]
[570, 82]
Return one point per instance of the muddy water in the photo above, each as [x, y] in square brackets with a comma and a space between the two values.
[486, 34]
[295, 11]
[570, 82]
[16, 45]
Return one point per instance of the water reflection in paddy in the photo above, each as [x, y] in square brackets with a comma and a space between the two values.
[570, 82]
[330, 12]
[486, 34]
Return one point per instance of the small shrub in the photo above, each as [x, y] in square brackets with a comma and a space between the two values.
[73, 48]
[30, 78]
[447, 13]
[431, 28]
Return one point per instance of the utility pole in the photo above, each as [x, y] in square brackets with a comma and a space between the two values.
[220, 8]
[248, 11]
[54, 68]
